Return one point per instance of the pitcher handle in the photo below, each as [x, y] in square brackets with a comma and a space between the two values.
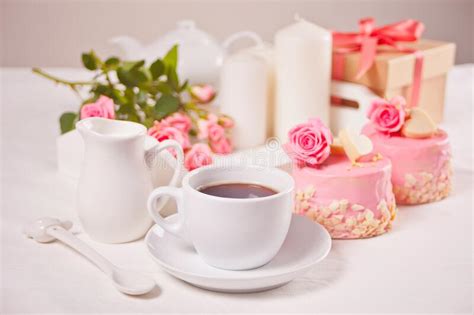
[178, 171]
[345, 116]
[243, 34]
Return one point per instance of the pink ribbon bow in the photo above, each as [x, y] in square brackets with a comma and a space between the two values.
[369, 38]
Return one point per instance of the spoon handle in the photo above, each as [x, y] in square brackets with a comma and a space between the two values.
[69, 239]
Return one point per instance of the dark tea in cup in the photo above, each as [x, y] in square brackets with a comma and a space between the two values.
[237, 190]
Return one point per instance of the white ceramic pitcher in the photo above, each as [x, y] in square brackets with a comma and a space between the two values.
[116, 179]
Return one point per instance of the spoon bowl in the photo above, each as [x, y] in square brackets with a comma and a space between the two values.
[132, 283]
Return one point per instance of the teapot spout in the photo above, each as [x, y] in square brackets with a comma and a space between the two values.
[132, 48]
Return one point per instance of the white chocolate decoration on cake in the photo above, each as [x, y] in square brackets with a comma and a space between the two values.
[354, 144]
[419, 125]
[421, 167]
[350, 202]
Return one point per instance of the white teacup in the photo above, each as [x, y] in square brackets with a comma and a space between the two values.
[230, 233]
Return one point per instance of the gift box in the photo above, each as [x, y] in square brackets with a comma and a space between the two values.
[392, 69]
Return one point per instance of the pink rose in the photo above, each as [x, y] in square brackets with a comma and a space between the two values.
[202, 125]
[226, 122]
[222, 146]
[203, 93]
[309, 143]
[387, 116]
[103, 107]
[215, 132]
[209, 127]
[179, 121]
[163, 132]
[199, 155]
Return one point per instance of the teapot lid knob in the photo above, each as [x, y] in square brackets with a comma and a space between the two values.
[186, 24]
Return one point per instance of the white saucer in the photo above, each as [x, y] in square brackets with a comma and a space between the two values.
[307, 244]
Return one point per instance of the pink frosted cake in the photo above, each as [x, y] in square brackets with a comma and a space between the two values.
[421, 167]
[351, 199]
[419, 151]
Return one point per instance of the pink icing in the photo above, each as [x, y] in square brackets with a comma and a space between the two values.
[336, 179]
[408, 155]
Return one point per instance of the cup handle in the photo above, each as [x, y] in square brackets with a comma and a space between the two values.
[178, 170]
[175, 228]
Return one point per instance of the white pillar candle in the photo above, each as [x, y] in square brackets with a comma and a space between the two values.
[267, 52]
[303, 75]
[243, 96]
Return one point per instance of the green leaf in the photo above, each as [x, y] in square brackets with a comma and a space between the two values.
[148, 122]
[129, 65]
[131, 78]
[90, 60]
[118, 97]
[173, 80]
[113, 93]
[157, 69]
[130, 96]
[147, 72]
[171, 57]
[149, 112]
[166, 105]
[133, 117]
[112, 63]
[67, 121]
[184, 86]
[142, 98]
[126, 109]
[101, 89]
[164, 88]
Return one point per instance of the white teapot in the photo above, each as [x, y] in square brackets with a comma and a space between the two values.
[200, 55]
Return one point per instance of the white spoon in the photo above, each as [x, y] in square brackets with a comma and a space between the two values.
[46, 230]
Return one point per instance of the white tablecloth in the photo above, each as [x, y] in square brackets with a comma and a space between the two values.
[423, 265]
